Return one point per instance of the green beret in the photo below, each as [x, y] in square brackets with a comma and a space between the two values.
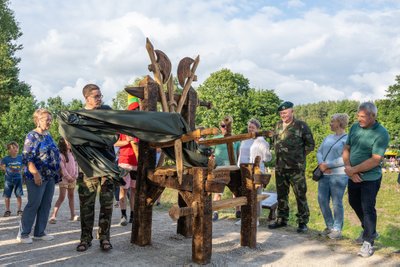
[285, 105]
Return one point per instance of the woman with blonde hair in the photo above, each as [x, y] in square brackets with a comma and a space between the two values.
[42, 158]
[334, 180]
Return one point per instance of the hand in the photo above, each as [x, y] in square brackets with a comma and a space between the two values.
[323, 166]
[349, 170]
[328, 171]
[37, 179]
[356, 178]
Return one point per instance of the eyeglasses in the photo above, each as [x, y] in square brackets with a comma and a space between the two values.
[222, 125]
[97, 96]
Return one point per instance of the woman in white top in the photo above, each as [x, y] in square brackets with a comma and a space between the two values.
[251, 148]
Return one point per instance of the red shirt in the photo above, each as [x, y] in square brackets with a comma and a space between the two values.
[126, 153]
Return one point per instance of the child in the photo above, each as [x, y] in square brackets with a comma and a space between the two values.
[69, 174]
[12, 166]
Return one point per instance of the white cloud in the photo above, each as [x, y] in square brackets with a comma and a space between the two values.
[348, 53]
[295, 4]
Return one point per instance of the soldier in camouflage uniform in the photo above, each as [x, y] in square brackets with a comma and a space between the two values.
[293, 140]
[89, 186]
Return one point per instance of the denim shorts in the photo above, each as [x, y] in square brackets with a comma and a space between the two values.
[13, 185]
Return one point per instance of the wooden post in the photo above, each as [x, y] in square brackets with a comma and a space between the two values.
[184, 225]
[202, 224]
[142, 221]
[248, 231]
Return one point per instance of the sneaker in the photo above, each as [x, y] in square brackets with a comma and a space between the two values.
[7, 213]
[44, 237]
[277, 224]
[238, 214]
[302, 228]
[19, 213]
[215, 216]
[123, 221]
[326, 232]
[116, 204]
[26, 240]
[360, 240]
[335, 234]
[366, 250]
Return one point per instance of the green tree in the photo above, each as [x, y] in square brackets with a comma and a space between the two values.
[228, 93]
[263, 105]
[9, 82]
[17, 121]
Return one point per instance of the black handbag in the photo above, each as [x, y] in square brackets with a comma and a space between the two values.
[317, 173]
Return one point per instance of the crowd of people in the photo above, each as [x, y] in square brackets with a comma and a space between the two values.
[349, 160]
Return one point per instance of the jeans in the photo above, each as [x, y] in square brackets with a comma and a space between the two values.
[362, 198]
[38, 206]
[332, 187]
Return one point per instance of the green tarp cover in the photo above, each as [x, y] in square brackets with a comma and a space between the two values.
[92, 134]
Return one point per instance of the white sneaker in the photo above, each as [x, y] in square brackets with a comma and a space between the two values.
[335, 234]
[366, 250]
[26, 240]
[44, 237]
[326, 232]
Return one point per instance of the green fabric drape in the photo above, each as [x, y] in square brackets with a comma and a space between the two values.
[92, 134]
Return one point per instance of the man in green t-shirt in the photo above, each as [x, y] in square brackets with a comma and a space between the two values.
[362, 156]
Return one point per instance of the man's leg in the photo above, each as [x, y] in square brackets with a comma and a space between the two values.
[106, 207]
[87, 190]
[282, 189]
[298, 182]
[369, 191]
[354, 192]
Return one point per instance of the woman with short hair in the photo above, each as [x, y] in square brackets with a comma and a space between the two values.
[334, 180]
[42, 158]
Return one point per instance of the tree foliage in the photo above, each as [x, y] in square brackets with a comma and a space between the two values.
[17, 121]
[230, 94]
[9, 81]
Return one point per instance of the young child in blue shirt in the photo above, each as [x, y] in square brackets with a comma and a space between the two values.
[12, 166]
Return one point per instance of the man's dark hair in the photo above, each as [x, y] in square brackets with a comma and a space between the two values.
[89, 88]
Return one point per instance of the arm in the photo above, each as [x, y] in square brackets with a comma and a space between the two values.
[36, 175]
[308, 139]
[366, 165]
[346, 159]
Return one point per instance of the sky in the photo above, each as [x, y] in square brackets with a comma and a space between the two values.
[306, 51]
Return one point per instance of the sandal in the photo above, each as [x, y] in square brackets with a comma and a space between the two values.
[105, 245]
[7, 213]
[83, 246]
[53, 221]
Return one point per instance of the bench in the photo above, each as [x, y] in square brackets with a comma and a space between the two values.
[270, 203]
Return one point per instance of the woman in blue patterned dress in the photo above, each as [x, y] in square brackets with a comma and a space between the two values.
[42, 158]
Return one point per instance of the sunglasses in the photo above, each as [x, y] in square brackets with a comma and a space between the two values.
[222, 125]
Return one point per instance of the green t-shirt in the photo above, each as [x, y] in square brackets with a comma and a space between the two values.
[221, 152]
[364, 142]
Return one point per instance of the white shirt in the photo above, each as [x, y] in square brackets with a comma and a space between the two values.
[251, 148]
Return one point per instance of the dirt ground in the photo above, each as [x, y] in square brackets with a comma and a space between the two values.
[274, 248]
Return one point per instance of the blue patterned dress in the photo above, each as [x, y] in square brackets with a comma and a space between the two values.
[41, 150]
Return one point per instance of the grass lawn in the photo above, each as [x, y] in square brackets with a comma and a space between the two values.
[388, 209]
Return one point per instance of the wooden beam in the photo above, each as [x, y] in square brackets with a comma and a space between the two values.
[175, 211]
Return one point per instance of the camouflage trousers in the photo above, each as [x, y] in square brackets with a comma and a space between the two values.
[296, 179]
[87, 190]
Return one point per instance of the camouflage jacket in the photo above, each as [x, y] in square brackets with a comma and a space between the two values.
[292, 145]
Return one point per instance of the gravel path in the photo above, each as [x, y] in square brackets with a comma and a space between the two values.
[275, 248]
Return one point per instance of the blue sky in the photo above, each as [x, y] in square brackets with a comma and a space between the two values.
[307, 51]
